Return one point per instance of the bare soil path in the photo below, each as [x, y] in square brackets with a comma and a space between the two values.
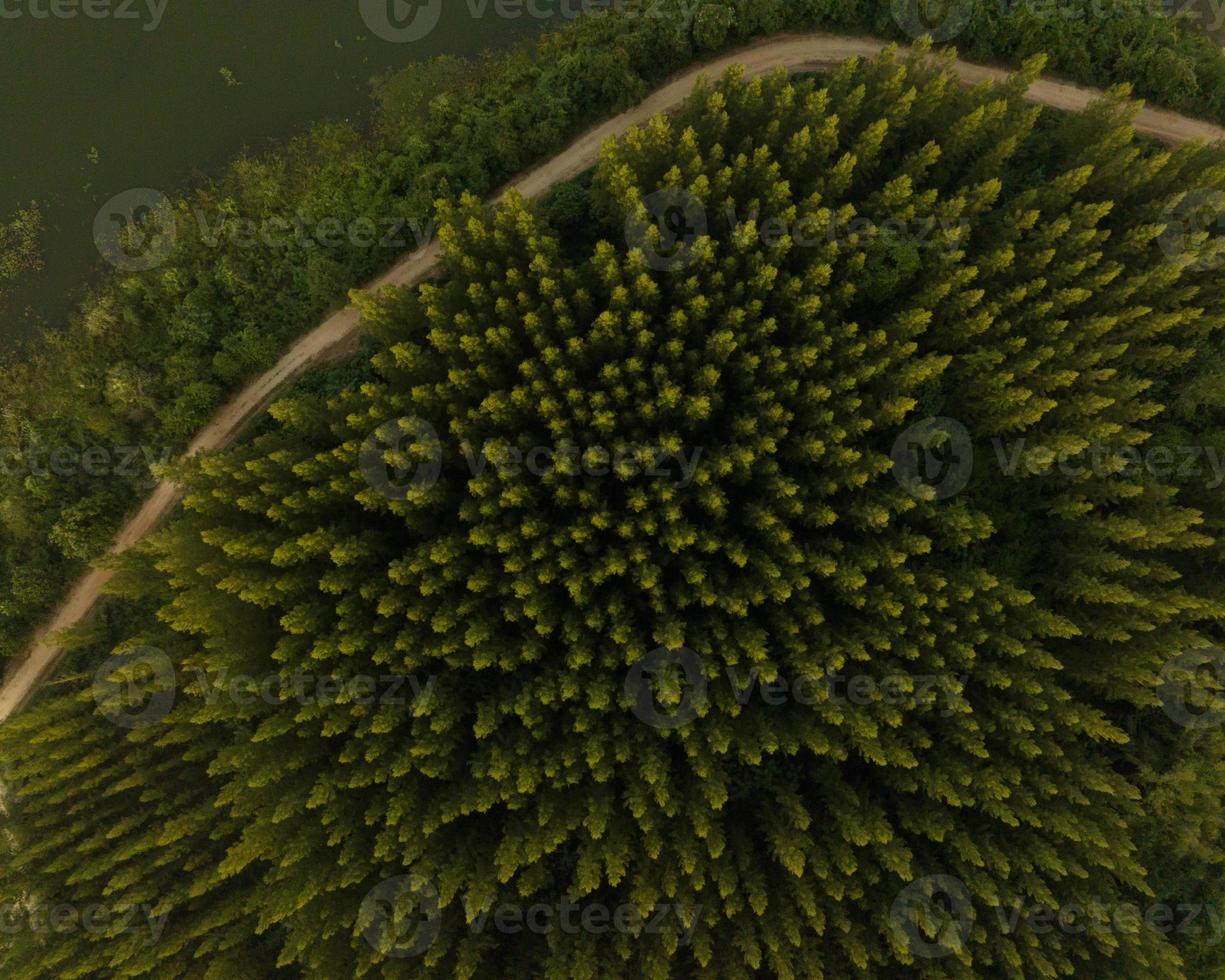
[337, 337]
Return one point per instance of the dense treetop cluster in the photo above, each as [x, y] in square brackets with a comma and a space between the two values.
[713, 390]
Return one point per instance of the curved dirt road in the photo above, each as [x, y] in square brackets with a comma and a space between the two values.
[337, 336]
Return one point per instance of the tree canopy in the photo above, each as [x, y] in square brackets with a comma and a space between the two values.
[644, 452]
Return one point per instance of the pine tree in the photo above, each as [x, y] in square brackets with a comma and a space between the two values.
[722, 398]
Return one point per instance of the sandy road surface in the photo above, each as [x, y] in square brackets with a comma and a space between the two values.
[337, 336]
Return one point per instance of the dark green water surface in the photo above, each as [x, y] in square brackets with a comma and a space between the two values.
[90, 107]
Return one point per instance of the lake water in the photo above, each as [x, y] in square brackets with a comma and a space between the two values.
[92, 106]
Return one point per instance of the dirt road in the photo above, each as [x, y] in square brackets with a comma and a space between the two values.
[337, 336]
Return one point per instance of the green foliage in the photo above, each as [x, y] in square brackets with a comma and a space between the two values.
[712, 23]
[1044, 307]
[222, 308]
[19, 251]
